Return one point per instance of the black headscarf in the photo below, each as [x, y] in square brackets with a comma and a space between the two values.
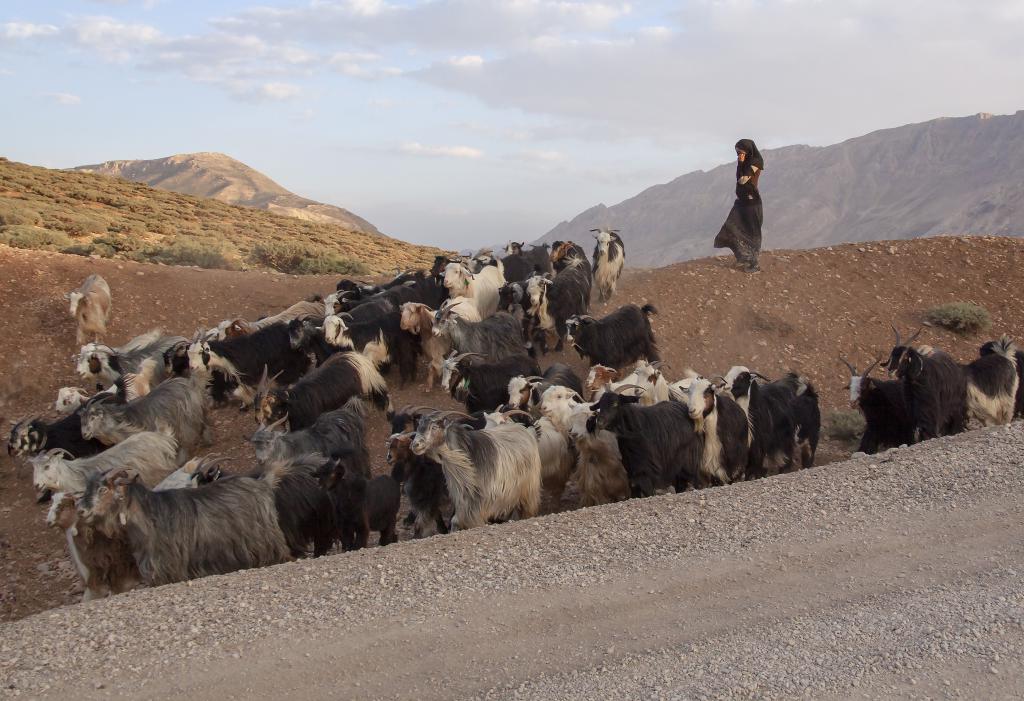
[753, 155]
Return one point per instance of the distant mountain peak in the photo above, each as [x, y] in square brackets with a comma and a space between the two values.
[221, 177]
[946, 176]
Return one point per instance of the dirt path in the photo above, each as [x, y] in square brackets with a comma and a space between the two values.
[892, 576]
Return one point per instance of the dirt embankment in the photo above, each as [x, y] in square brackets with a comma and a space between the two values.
[800, 313]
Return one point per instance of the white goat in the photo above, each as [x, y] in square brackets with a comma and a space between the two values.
[482, 288]
[90, 307]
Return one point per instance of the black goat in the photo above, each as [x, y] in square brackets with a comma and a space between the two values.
[617, 340]
[336, 434]
[770, 410]
[1018, 405]
[563, 253]
[305, 336]
[246, 358]
[807, 416]
[342, 377]
[934, 387]
[658, 443]
[884, 407]
[422, 478]
[361, 505]
[305, 511]
[31, 436]
[520, 264]
[481, 384]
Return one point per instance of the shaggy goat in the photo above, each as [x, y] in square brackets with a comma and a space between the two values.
[328, 387]
[769, 408]
[305, 512]
[177, 407]
[621, 338]
[658, 443]
[992, 384]
[934, 387]
[418, 320]
[989, 348]
[525, 392]
[600, 476]
[480, 287]
[90, 307]
[566, 253]
[143, 357]
[496, 337]
[551, 302]
[609, 257]
[490, 472]
[482, 384]
[334, 434]
[520, 264]
[646, 381]
[151, 455]
[382, 339]
[180, 534]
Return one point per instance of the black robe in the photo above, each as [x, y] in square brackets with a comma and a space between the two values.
[741, 231]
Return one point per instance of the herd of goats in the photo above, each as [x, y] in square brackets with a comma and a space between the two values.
[138, 504]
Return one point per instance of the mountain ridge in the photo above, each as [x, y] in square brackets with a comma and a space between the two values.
[218, 176]
[950, 175]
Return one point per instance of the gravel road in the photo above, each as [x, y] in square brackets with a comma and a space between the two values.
[897, 575]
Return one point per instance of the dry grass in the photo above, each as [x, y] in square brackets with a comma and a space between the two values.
[963, 318]
[90, 214]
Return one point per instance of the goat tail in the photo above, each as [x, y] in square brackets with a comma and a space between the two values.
[648, 309]
[371, 382]
[276, 470]
[1006, 348]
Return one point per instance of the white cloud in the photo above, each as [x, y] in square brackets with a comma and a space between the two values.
[63, 98]
[26, 30]
[417, 149]
[112, 39]
[470, 61]
[280, 91]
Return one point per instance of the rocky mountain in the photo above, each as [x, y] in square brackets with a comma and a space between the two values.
[221, 177]
[946, 176]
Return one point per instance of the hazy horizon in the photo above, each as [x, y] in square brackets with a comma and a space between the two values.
[454, 122]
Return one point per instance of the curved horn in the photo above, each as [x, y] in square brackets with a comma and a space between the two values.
[870, 368]
[897, 333]
[57, 451]
[460, 356]
[658, 364]
[914, 337]
[760, 376]
[618, 390]
[516, 411]
[844, 361]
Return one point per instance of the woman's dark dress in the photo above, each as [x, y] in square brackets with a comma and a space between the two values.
[742, 229]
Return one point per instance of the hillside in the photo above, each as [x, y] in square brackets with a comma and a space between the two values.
[220, 177]
[801, 313]
[944, 176]
[91, 214]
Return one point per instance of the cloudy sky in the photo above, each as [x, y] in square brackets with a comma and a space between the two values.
[465, 121]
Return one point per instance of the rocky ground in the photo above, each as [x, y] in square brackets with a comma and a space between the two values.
[891, 576]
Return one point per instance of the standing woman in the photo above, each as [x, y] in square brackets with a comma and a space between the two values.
[742, 229]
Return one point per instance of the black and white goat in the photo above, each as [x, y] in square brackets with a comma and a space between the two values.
[490, 473]
[483, 384]
[934, 387]
[90, 307]
[609, 257]
[143, 356]
[616, 340]
[990, 348]
[773, 425]
[882, 403]
[551, 302]
[177, 407]
[992, 383]
[564, 253]
[34, 435]
[423, 482]
[330, 386]
[525, 392]
[244, 359]
[658, 443]
[382, 340]
[725, 430]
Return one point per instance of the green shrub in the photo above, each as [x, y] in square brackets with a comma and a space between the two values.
[960, 317]
[12, 214]
[300, 259]
[121, 244]
[846, 425]
[190, 252]
[33, 237]
[82, 224]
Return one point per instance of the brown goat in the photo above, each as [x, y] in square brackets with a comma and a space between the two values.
[418, 319]
[90, 306]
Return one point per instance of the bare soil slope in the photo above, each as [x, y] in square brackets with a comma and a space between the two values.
[220, 177]
[800, 313]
